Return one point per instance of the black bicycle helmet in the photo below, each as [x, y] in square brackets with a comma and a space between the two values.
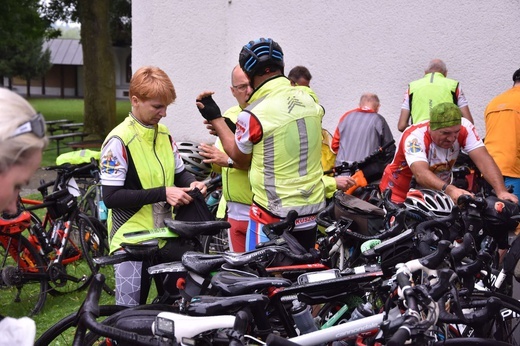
[193, 161]
[430, 203]
[259, 54]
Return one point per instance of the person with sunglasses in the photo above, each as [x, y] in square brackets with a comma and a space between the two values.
[22, 141]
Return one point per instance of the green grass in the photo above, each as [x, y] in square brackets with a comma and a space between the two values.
[57, 307]
[72, 109]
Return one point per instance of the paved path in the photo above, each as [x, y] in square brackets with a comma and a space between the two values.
[35, 181]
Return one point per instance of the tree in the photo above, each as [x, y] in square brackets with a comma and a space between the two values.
[22, 31]
[31, 62]
[102, 24]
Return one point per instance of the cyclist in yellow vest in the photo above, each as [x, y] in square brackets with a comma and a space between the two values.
[434, 88]
[279, 136]
[236, 190]
[143, 175]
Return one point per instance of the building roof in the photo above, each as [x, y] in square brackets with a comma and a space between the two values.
[65, 51]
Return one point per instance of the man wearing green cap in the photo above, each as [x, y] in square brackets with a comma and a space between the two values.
[428, 151]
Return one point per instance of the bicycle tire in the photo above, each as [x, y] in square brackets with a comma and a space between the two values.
[16, 275]
[94, 242]
[143, 314]
[61, 327]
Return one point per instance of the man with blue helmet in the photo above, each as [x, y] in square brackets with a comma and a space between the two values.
[279, 137]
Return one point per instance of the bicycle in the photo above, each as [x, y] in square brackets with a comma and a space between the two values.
[388, 327]
[362, 188]
[22, 266]
[57, 253]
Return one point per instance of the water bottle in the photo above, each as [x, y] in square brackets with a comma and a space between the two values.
[302, 316]
[213, 199]
[361, 311]
[102, 211]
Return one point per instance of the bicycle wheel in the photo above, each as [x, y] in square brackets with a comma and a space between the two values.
[215, 244]
[95, 244]
[62, 332]
[23, 280]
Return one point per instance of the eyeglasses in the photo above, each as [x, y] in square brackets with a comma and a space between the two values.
[241, 87]
[36, 126]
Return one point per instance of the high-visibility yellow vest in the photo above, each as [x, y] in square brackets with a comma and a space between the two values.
[151, 153]
[429, 91]
[286, 172]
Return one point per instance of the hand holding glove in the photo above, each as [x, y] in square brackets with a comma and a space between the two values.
[207, 106]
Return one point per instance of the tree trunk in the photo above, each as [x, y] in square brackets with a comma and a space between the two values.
[98, 63]
[28, 88]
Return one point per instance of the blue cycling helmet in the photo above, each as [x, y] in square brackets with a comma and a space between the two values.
[259, 54]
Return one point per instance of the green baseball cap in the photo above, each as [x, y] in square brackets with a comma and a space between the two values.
[445, 115]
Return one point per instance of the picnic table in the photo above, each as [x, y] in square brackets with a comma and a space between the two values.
[54, 125]
[70, 127]
[62, 136]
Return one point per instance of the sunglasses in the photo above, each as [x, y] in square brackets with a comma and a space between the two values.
[36, 126]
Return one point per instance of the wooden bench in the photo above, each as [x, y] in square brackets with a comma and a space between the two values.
[93, 143]
[60, 137]
[70, 127]
[54, 125]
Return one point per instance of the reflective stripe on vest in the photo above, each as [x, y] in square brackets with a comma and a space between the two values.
[286, 164]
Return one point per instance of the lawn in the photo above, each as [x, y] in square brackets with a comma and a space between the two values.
[72, 109]
[57, 307]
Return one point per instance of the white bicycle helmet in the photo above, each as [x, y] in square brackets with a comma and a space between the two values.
[429, 203]
[193, 161]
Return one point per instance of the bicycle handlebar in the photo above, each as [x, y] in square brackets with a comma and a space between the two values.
[88, 312]
[275, 229]
[353, 166]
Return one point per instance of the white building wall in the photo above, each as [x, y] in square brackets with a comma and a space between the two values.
[349, 46]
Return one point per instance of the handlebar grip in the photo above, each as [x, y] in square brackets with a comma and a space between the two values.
[272, 230]
[403, 280]
[399, 337]
[324, 218]
[433, 260]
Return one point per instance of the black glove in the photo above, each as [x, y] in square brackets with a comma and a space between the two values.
[210, 110]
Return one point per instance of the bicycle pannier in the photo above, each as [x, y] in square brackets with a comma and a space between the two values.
[367, 218]
[63, 203]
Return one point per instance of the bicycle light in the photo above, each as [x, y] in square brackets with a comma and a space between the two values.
[164, 327]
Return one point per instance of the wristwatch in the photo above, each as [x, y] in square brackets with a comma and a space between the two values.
[229, 162]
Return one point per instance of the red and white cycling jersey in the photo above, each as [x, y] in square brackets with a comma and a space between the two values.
[416, 145]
